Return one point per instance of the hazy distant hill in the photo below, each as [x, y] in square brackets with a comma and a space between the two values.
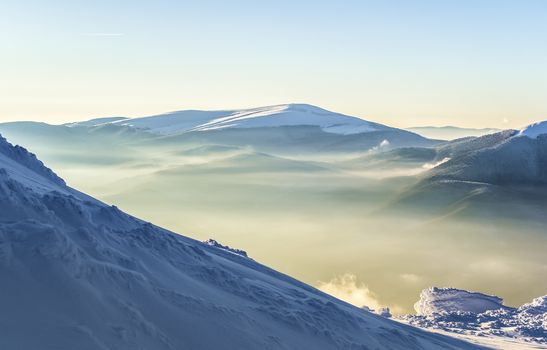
[293, 185]
[260, 117]
[285, 129]
[450, 132]
[499, 174]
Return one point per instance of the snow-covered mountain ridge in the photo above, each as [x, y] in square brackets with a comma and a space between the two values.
[85, 275]
[270, 116]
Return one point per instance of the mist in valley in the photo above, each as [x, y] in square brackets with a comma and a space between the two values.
[324, 218]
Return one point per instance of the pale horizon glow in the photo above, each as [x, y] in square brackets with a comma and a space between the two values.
[479, 64]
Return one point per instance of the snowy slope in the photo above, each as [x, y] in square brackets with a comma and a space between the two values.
[84, 275]
[504, 158]
[17, 162]
[271, 116]
[473, 314]
[534, 130]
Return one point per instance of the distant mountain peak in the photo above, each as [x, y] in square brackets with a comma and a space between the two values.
[291, 115]
[304, 107]
[282, 115]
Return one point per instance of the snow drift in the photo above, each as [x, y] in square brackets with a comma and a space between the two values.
[80, 274]
[446, 300]
[472, 313]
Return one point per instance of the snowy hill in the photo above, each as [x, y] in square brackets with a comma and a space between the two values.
[288, 129]
[270, 116]
[505, 158]
[497, 175]
[476, 314]
[508, 157]
[84, 275]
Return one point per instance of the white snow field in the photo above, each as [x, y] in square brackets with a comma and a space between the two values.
[270, 116]
[79, 274]
[482, 318]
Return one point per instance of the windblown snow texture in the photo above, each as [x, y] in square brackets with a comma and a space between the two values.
[472, 313]
[79, 274]
[446, 300]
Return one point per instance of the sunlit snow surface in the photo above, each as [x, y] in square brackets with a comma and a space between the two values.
[534, 130]
[449, 300]
[271, 116]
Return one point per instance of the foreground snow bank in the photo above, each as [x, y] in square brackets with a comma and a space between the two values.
[448, 300]
[477, 314]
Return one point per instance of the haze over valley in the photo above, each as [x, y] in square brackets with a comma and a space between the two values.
[273, 175]
[370, 212]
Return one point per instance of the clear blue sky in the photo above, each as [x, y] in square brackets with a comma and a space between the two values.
[404, 63]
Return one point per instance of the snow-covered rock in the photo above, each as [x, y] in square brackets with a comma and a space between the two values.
[534, 130]
[384, 312]
[213, 243]
[447, 300]
[270, 116]
[79, 274]
[536, 306]
[475, 314]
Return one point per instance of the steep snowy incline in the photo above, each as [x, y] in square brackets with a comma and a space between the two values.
[83, 275]
[270, 116]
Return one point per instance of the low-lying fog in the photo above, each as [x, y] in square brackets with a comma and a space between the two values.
[320, 220]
